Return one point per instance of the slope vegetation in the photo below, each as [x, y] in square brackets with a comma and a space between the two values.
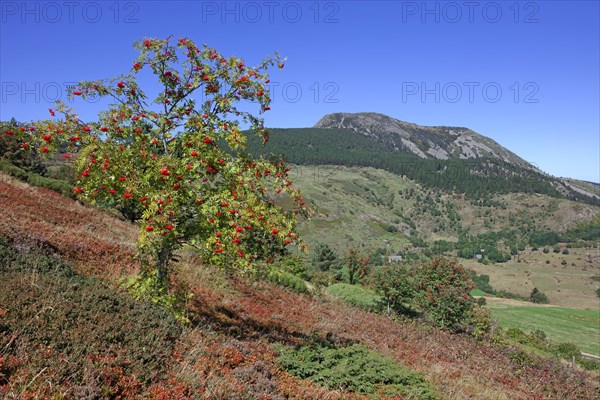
[229, 349]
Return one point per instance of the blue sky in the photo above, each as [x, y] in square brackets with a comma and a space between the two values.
[523, 73]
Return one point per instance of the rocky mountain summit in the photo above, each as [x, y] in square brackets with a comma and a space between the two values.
[439, 142]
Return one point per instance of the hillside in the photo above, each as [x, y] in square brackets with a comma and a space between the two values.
[492, 173]
[229, 349]
[384, 206]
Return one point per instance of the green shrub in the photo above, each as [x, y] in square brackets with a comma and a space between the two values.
[482, 282]
[566, 350]
[59, 186]
[538, 297]
[509, 295]
[522, 358]
[590, 365]
[539, 334]
[34, 179]
[294, 265]
[394, 283]
[288, 280]
[480, 322]
[355, 295]
[13, 170]
[354, 369]
[321, 279]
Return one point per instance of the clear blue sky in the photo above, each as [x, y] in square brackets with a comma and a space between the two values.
[525, 73]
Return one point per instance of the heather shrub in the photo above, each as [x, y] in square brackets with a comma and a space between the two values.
[80, 329]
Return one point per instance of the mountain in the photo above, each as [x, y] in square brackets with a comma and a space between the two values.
[455, 160]
[437, 142]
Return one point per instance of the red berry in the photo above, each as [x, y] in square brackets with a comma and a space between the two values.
[44, 150]
[149, 228]
[127, 195]
[121, 85]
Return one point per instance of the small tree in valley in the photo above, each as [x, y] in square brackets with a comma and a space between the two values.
[176, 163]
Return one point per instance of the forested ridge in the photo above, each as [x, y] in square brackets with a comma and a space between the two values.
[474, 177]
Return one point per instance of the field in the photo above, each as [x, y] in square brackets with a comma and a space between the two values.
[569, 285]
[560, 324]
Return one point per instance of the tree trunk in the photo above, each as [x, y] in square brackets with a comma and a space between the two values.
[161, 264]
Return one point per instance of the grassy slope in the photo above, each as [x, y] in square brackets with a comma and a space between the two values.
[567, 285]
[560, 324]
[355, 205]
[227, 352]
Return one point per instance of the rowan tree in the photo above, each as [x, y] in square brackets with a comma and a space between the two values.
[177, 161]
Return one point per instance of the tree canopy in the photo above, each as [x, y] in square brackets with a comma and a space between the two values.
[177, 161]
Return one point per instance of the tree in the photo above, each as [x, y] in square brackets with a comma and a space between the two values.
[395, 283]
[177, 162]
[11, 148]
[443, 291]
[325, 258]
[357, 266]
[538, 297]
